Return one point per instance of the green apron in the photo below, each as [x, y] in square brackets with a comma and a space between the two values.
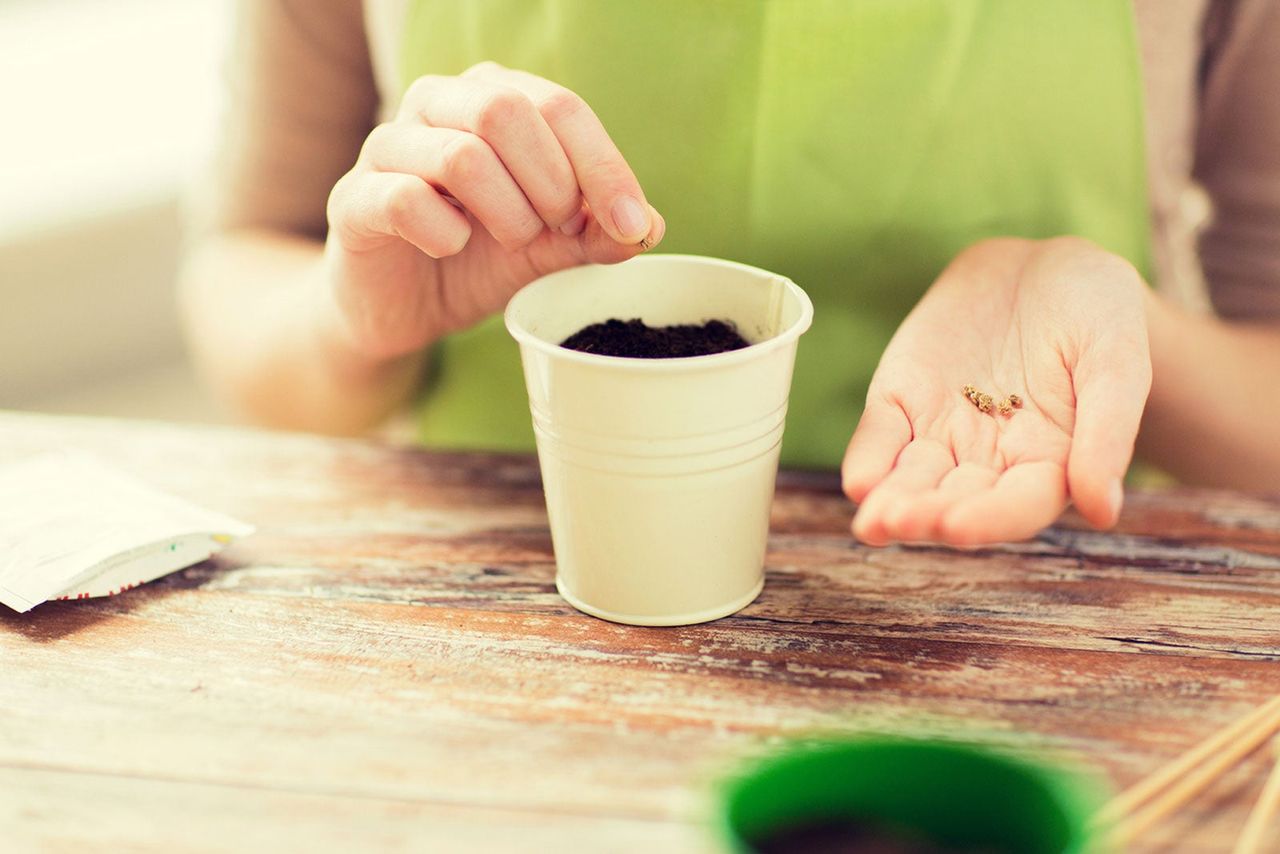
[855, 146]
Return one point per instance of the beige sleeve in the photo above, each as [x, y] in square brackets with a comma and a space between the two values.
[1238, 157]
[300, 101]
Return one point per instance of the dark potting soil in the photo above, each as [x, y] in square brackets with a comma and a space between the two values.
[636, 339]
[846, 837]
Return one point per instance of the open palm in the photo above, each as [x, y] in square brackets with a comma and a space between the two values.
[1061, 324]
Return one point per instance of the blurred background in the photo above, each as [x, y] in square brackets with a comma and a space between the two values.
[109, 111]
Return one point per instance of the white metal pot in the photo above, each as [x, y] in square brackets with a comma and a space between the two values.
[659, 473]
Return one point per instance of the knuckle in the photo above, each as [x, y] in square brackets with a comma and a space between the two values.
[403, 202]
[1093, 258]
[352, 202]
[531, 232]
[453, 242]
[379, 138]
[564, 208]
[480, 69]
[500, 109]
[465, 159]
[1069, 242]
[420, 91]
[416, 91]
[337, 207]
[341, 189]
[990, 245]
[559, 104]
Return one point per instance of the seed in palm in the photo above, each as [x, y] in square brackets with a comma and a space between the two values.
[984, 402]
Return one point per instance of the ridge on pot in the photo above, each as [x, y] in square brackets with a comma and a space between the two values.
[659, 473]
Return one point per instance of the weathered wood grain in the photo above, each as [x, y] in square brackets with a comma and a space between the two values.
[57, 811]
[387, 659]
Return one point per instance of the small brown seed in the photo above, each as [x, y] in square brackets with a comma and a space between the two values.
[1015, 401]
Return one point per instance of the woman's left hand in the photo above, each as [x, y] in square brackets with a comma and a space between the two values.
[1059, 322]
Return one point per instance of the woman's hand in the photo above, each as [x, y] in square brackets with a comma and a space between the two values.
[1060, 323]
[482, 183]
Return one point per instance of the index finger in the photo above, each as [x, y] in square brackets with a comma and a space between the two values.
[882, 432]
[607, 182]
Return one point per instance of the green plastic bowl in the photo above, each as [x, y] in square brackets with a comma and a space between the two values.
[959, 796]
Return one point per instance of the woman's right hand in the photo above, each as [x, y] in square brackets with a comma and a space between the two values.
[481, 184]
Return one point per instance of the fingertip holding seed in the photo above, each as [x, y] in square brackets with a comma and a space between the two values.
[656, 232]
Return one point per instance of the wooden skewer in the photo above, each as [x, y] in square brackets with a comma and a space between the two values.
[1142, 791]
[1185, 777]
[1250, 841]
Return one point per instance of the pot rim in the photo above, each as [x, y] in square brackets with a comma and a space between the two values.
[787, 337]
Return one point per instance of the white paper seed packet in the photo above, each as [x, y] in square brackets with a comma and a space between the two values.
[71, 527]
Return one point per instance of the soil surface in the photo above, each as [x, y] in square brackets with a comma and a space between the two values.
[634, 339]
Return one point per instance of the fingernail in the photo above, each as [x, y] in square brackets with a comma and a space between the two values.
[1116, 496]
[630, 218]
[574, 227]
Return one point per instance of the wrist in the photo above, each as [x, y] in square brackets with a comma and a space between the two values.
[1156, 312]
[1174, 335]
[344, 353]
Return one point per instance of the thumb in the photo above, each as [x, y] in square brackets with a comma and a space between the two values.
[583, 240]
[598, 247]
[1111, 388]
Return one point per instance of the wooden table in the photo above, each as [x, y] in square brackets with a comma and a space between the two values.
[386, 664]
